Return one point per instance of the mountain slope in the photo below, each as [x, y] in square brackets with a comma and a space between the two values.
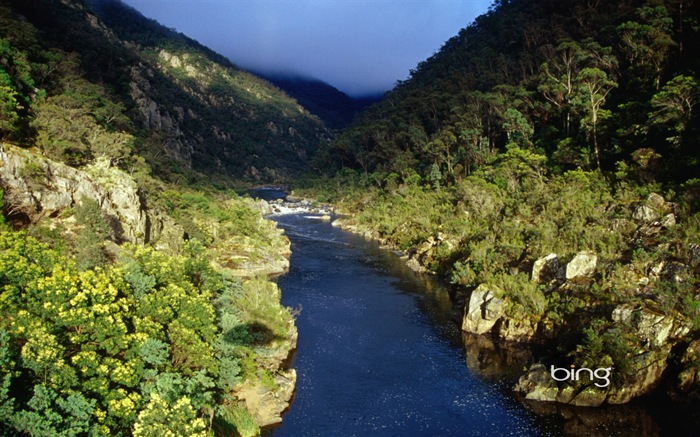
[335, 108]
[187, 102]
[133, 289]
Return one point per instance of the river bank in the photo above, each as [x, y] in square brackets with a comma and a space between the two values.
[477, 350]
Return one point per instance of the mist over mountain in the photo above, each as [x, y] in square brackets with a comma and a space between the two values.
[334, 107]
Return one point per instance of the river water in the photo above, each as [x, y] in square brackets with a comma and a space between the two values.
[377, 351]
[379, 354]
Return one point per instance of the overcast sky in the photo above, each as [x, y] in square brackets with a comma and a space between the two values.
[359, 46]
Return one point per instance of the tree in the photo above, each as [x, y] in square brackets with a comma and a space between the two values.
[558, 78]
[673, 104]
[647, 42]
[595, 85]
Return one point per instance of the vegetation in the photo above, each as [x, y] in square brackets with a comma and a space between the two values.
[149, 343]
[100, 335]
[543, 128]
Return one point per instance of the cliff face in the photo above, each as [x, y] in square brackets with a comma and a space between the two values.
[37, 188]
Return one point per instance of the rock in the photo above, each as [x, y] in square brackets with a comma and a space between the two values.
[589, 397]
[267, 405]
[583, 265]
[537, 384]
[155, 117]
[545, 269]
[648, 367]
[688, 381]
[62, 187]
[263, 206]
[483, 311]
[414, 265]
[672, 271]
[653, 327]
[656, 201]
[645, 214]
[326, 218]
[668, 221]
[694, 254]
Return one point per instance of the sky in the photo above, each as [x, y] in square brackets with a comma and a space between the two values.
[362, 47]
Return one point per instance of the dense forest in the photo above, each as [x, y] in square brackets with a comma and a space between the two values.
[545, 137]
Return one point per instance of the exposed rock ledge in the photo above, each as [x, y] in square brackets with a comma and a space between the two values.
[267, 403]
[31, 197]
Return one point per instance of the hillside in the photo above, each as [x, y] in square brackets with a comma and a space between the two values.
[335, 108]
[187, 104]
[545, 162]
[134, 282]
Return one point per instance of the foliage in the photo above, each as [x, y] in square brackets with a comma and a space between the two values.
[137, 347]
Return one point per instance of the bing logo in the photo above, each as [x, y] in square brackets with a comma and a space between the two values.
[600, 375]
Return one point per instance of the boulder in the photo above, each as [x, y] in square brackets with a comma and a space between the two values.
[656, 201]
[645, 214]
[668, 221]
[648, 366]
[537, 384]
[545, 269]
[583, 265]
[416, 266]
[482, 311]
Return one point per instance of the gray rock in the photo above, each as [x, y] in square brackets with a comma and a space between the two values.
[482, 311]
[645, 214]
[668, 221]
[414, 265]
[656, 201]
[583, 265]
[63, 187]
[655, 328]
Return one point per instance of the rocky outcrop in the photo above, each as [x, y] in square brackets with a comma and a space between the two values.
[268, 402]
[654, 335]
[653, 327]
[30, 197]
[267, 405]
[538, 383]
[482, 311]
[157, 118]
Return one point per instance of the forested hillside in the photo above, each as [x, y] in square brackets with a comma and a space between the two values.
[188, 108]
[335, 108]
[134, 291]
[596, 85]
[545, 161]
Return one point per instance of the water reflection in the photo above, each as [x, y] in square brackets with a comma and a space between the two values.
[490, 359]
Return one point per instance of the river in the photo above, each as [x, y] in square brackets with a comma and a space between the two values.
[379, 354]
